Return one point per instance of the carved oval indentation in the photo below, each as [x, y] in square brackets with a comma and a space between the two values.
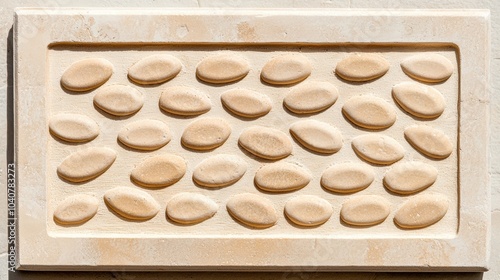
[132, 203]
[428, 67]
[246, 103]
[184, 101]
[429, 141]
[219, 171]
[206, 134]
[155, 69]
[191, 208]
[264, 142]
[419, 100]
[378, 149]
[76, 209]
[86, 164]
[281, 177]
[311, 97]
[317, 136]
[145, 135]
[73, 127]
[308, 210]
[421, 211]
[286, 69]
[222, 68]
[410, 177]
[369, 112]
[119, 100]
[159, 171]
[361, 67]
[87, 74]
[252, 210]
[365, 210]
[347, 177]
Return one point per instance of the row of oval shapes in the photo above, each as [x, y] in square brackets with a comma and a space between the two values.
[254, 210]
[366, 111]
[223, 170]
[226, 67]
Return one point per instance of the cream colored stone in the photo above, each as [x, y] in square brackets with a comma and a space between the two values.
[361, 67]
[264, 142]
[222, 68]
[378, 149]
[428, 67]
[252, 210]
[145, 135]
[286, 69]
[429, 141]
[206, 133]
[317, 136]
[86, 164]
[184, 101]
[281, 177]
[421, 211]
[311, 97]
[159, 171]
[410, 177]
[246, 103]
[155, 69]
[119, 100]
[219, 171]
[419, 100]
[191, 208]
[369, 112]
[308, 210]
[131, 203]
[73, 127]
[347, 177]
[365, 210]
[76, 209]
[87, 74]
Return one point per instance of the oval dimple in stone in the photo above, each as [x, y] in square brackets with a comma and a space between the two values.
[421, 211]
[73, 127]
[76, 209]
[410, 177]
[429, 141]
[219, 171]
[191, 208]
[317, 136]
[361, 67]
[206, 134]
[159, 171]
[308, 210]
[347, 177]
[281, 177]
[252, 210]
[145, 135]
[86, 164]
[154, 69]
[119, 100]
[87, 74]
[246, 103]
[428, 67]
[286, 69]
[311, 97]
[222, 68]
[267, 143]
[184, 101]
[419, 100]
[365, 210]
[132, 203]
[378, 149]
[369, 112]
